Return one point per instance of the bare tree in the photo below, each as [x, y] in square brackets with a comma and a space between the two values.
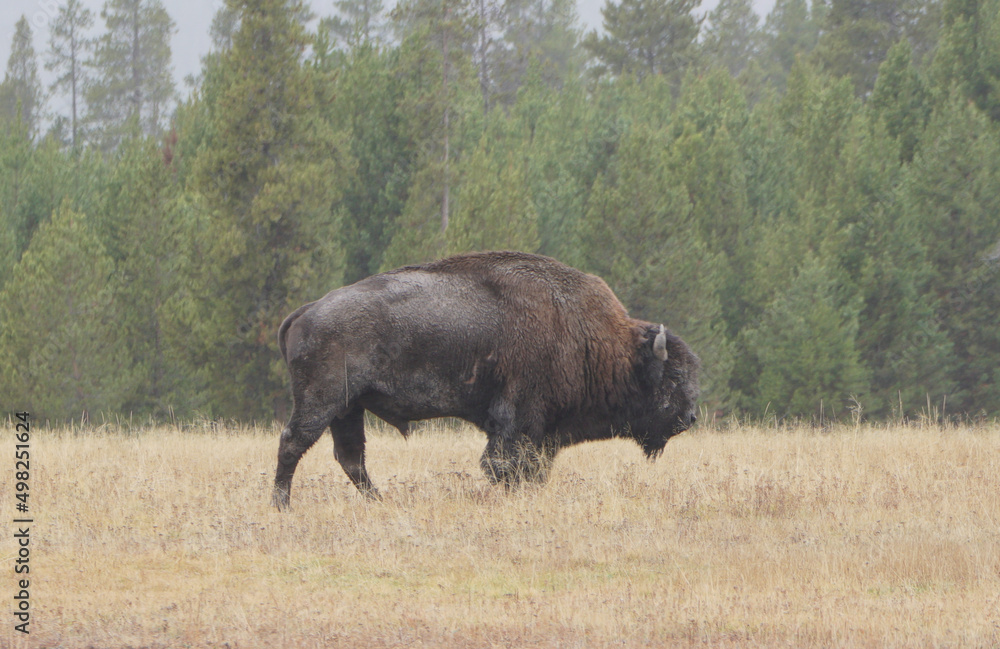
[68, 45]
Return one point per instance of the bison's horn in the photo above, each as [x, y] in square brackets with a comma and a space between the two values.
[660, 344]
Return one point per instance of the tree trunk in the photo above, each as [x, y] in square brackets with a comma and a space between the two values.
[447, 106]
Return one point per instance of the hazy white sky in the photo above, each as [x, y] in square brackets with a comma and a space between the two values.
[193, 18]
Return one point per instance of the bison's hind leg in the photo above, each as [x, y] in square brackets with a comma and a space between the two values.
[349, 449]
[297, 438]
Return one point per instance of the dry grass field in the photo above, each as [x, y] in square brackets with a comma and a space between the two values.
[745, 537]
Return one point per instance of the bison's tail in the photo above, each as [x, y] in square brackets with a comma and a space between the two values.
[283, 329]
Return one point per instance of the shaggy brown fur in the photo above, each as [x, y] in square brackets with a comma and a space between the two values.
[551, 344]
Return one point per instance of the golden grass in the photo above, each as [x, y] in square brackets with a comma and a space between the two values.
[862, 537]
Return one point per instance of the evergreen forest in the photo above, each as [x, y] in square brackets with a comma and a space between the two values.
[811, 198]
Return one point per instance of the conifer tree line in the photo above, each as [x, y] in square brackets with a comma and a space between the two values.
[811, 199]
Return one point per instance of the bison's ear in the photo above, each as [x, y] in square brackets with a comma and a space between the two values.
[660, 344]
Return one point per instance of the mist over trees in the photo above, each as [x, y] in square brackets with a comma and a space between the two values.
[810, 198]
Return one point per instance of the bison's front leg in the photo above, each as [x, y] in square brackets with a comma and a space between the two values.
[296, 439]
[540, 463]
[510, 462]
[349, 449]
[512, 456]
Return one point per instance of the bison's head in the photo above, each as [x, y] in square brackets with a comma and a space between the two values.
[668, 379]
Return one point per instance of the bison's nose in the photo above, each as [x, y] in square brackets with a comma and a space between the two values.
[694, 418]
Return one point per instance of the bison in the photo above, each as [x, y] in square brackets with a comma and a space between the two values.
[535, 353]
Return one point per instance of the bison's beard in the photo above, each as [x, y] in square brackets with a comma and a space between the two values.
[652, 443]
[653, 450]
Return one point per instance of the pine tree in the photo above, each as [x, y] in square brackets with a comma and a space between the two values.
[366, 105]
[899, 339]
[923, 30]
[35, 176]
[901, 100]
[768, 159]
[80, 365]
[68, 45]
[646, 37]
[709, 161]
[637, 234]
[732, 37]
[857, 35]
[805, 345]
[225, 23]
[485, 19]
[790, 30]
[554, 128]
[440, 96]
[132, 85]
[817, 113]
[707, 158]
[357, 23]
[969, 53]
[21, 91]
[950, 197]
[794, 151]
[268, 176]
[493, 210]
[15, 182]
[537, 32]
[141, 233]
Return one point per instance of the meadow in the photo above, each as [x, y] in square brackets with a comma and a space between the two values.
[739, 536]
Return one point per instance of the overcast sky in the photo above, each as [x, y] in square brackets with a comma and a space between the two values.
[193, 18]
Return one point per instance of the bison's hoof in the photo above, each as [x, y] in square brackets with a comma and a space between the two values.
[371, 493]
[280, 499]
